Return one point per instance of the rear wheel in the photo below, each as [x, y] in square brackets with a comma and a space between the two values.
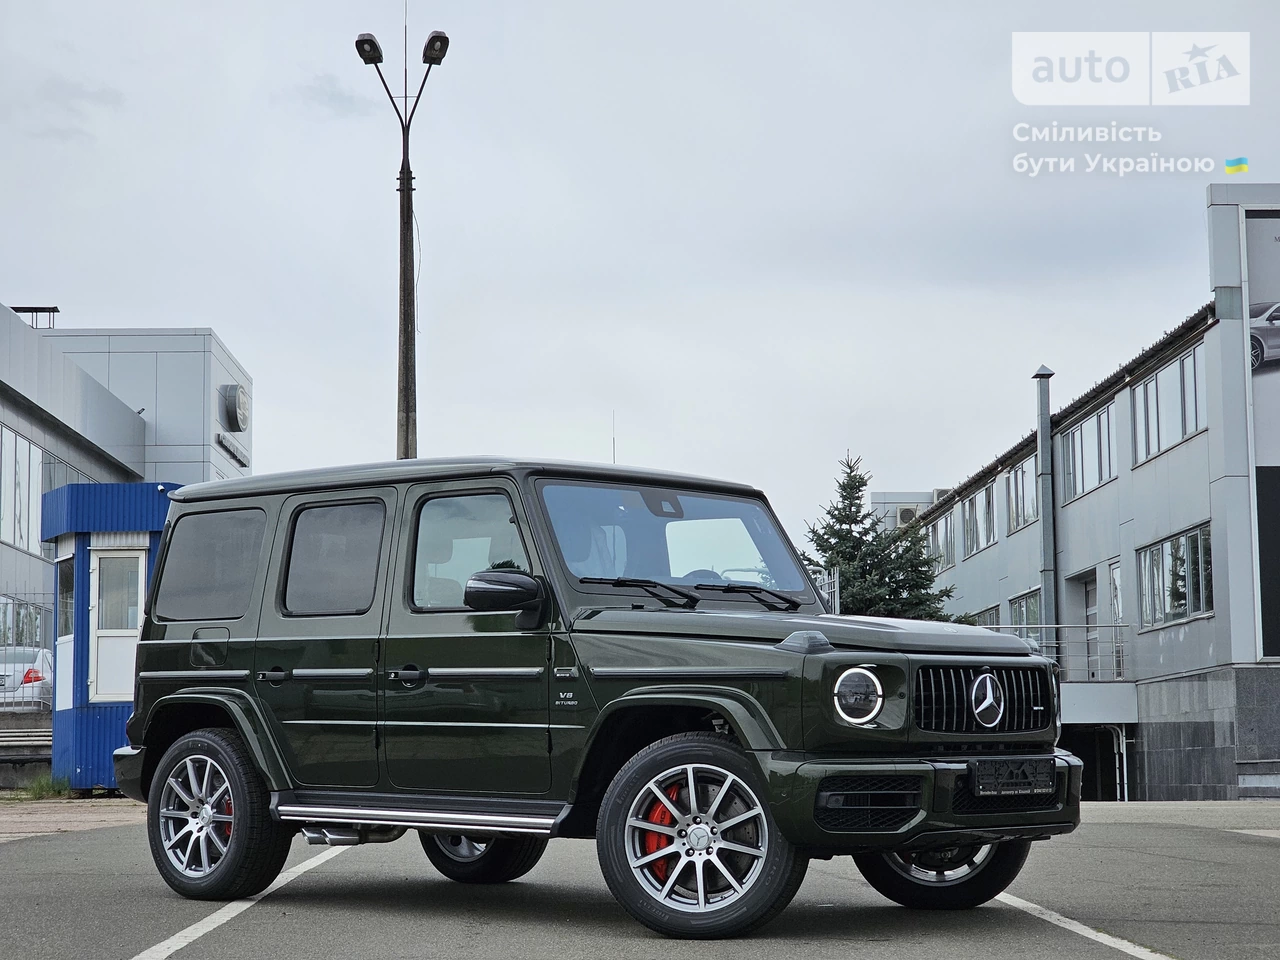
[688, 847]
[209, 820]
[472, 859]
[956, 878]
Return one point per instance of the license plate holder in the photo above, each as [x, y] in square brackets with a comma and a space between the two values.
[1010, 777]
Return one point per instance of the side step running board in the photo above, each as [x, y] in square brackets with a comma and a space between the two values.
[419, 819]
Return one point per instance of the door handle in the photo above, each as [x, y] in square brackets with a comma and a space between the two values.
[275, 675]
[409, 674]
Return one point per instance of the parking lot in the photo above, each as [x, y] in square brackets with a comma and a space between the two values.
[1193, 880]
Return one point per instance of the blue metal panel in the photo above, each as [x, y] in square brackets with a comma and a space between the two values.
[104, 508]
[64, 745]
[98, 730]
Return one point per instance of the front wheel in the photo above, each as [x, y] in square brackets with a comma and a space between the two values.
[1256, 353]
[470, 859]
[955, 878]
[688, 845]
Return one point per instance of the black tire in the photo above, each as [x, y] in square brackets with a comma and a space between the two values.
[888, 873]
[502, 859]
[1257, 355]
[767, 884]
[256, 844]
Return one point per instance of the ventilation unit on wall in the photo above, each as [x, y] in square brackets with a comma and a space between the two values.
[907, 515]
[940, 492]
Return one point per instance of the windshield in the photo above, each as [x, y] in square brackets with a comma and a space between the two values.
[1258, 309]
[610, 531]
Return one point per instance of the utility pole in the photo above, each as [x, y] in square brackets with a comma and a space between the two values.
[406, 366]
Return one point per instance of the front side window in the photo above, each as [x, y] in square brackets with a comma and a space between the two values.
[1175, 578]
[333, 559]
[606, 531]
[458, 537]
[210, 565]
[979, 517]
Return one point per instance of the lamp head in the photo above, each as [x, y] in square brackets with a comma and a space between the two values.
[369, 50]
[436, 47]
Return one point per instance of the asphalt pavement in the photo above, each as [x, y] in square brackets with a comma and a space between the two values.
[1189, 881]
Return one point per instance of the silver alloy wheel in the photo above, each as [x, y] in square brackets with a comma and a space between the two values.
[463, 849]
[196, 816]
[696, 838]
[941, 867]
[1255, 353]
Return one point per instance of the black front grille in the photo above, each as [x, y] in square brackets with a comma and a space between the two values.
[873, 803]
[965, 802]
[942, 699]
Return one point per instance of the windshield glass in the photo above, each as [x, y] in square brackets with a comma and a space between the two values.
[671, 536]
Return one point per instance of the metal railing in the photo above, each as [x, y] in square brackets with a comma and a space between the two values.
[1085, 653]
[828, 583]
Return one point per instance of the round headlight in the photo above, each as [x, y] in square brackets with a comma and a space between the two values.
[859, 695]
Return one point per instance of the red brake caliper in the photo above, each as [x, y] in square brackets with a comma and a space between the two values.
[653, 842]
[227, 811]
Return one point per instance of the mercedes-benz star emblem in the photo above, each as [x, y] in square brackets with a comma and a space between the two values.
[986, 698]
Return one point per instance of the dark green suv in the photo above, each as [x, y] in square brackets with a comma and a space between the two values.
[494, 653]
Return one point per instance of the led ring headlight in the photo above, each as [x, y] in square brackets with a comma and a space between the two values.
[858, 696]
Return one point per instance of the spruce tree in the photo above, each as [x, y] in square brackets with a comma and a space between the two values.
[883, 573]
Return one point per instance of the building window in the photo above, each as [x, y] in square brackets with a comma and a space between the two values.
[1117, 605]
[942, 543]
[979, 519]
[1089, 453]
[1020, 494]
[989, 617]
[1024, 613]
[1175, 578]
[22, 624]
[1170, 405]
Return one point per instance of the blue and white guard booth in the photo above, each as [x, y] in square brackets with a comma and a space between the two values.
[106, 537]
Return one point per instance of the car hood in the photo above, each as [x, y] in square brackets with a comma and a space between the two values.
[862, 633]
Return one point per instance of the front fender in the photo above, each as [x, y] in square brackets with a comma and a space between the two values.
[744, 713]
[247, 720]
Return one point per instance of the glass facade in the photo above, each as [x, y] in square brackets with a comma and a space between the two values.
[23, 624]
[26, 472]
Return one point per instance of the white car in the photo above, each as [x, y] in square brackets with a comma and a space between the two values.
[26, 679]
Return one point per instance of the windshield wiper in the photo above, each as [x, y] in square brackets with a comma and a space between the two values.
[652, 587]
[756, 592]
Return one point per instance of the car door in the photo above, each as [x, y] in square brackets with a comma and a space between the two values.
[464, 693]
[316, 655]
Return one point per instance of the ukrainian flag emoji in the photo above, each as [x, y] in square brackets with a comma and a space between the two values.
[1238, 165]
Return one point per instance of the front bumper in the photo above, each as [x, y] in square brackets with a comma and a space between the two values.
[128, 763]
[938, 810]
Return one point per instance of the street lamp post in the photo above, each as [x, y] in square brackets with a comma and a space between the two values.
[406, 374]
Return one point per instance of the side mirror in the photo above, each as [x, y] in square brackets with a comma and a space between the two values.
[494, 590]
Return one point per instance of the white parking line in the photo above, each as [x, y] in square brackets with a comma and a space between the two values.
[182, 938]
[1268, 834]
[1124, 946]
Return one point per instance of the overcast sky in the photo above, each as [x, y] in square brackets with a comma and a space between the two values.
[762, 233]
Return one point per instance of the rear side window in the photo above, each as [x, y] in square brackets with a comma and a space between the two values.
[210, 565]
[333, 559]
